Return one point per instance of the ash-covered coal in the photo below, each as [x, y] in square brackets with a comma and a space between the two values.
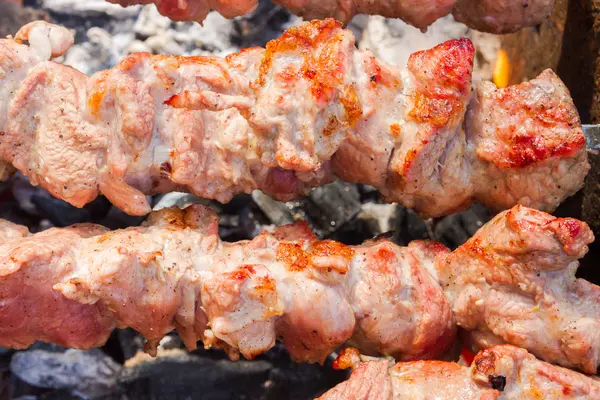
[90, 373]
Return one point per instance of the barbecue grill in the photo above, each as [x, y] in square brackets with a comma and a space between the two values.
[348, 239]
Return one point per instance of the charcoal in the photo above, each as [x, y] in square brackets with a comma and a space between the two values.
[455, 229]
[410, 227]
[89, 372]
[36, 201]
[326, 209]
[176, 374]
[450, 231]
[178, 199]
[131, 343]
[265, 23]
[475, 218]
[209, 374]
[590, 212]
[119, 219]
[379, 218]
[368, 193]
[331, 206]
[23, 192]
[279, 213]
[245, 224]
[60, 213]
[294, 381]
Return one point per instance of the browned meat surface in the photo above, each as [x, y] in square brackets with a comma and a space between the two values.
[501, 372]
[73, 286]
[308, 108]
[516, 142]
[500, 16]
[514, 282]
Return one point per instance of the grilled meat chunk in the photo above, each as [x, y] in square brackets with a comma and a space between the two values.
[175, 273]
[308, 108]
[514, 282]
[501, 372]
[73, 286]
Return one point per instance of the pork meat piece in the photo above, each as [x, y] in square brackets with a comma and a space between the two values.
[501, 372]
[73, 286]
[308, 108]
[514, 282]
[519, 136]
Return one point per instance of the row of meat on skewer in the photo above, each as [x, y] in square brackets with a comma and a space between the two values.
[499, 16]
[299, 113]
[306, 110]
[512, 283]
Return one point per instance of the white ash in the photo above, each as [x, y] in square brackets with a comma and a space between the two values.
[100, 51]
[89, 372]
[145, 30]
[380, 218]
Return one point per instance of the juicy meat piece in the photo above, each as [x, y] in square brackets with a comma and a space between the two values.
[526, 377]
[501, 372]
[514, 282]
[305, 110]
[504, 129]
[73, 286]
[504, 16]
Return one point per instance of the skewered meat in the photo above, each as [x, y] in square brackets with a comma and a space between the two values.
[307, 109]
[504, 16]
[73, 286]
[514, 282]
[501, 372]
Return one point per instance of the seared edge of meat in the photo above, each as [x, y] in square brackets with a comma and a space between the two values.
[73, 286]
[514, 282]
[500, 372]
[284, 119]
